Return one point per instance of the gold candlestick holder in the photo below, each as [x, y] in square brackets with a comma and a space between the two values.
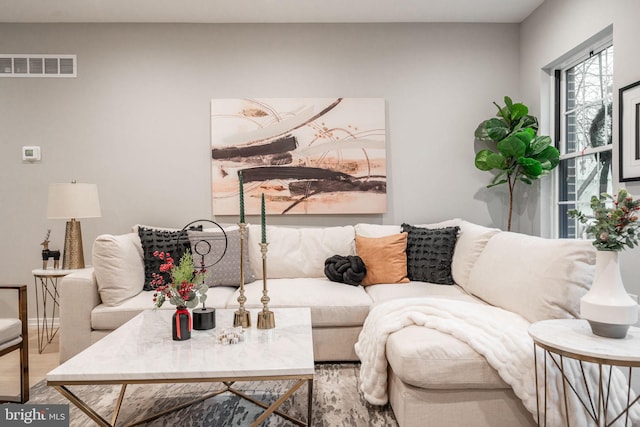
[242, 317]
[266, 318]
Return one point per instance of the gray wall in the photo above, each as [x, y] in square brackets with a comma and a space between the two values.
[136, 119]
[553, 30]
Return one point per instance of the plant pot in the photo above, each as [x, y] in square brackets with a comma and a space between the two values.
[607, 306]
[181, 324]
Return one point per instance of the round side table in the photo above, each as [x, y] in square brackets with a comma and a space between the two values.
[48, 281]
[572, 338]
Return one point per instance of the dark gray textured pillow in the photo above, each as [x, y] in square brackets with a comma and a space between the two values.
[429, 253]
[227, 271]
[153, 239]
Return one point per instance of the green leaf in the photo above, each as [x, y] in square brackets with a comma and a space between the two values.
[503, 181]
[481, 160]
[518, 111]
[480, 133]
[529, 122]
[539, 143]
[512, 146]
[531, 167]
[508, 102]
[549, 154]
[499, 176]
[202, 290]
[525, 179]
[496, 129]
[503, 112]
[497, 161]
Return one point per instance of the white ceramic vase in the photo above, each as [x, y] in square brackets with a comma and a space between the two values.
[607, 306]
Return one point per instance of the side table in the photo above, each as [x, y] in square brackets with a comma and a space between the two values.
[48, 281]
[572, 338]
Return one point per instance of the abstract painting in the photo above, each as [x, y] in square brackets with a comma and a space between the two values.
[307, 155]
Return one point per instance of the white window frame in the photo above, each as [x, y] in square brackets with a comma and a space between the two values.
[551, 211]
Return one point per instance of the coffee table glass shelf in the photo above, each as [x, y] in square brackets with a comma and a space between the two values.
[131, 355]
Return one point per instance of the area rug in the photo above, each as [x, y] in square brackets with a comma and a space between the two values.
[336, 402]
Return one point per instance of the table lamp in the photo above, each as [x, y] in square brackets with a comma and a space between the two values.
[71, 201]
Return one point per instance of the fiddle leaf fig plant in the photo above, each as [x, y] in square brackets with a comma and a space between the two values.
[517, 153]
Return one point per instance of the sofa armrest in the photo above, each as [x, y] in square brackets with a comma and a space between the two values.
[78, 297]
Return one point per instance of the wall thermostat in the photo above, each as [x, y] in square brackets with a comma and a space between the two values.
[31, 153]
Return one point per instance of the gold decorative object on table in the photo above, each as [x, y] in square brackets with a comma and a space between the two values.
[241, 316]
[266, 318]
[72, 201]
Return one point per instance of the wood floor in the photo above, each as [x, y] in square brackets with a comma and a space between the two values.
[39, 364]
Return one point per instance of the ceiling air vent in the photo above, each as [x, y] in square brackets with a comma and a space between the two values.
[38, 65]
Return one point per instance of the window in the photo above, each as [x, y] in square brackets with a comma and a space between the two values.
[584, 101]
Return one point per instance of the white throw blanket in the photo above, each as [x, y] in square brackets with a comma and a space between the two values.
[501, 337]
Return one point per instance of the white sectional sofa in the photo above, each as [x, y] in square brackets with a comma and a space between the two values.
[432, 376]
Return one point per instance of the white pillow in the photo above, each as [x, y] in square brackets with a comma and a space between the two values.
[534, 277]
[119, 268]
[298, 252]
[377, 230]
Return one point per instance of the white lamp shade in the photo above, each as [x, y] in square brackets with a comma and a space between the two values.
[73, 200]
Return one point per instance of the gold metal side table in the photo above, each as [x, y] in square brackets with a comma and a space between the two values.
[573, 339]
[48, 284]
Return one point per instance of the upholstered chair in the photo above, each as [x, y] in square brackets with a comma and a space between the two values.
[14, 336]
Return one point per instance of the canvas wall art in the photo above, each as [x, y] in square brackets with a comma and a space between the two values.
[307, 155]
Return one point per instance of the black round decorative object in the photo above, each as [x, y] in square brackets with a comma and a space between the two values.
[203, 247]
[204, 318]
[345, 269]
[181, 324]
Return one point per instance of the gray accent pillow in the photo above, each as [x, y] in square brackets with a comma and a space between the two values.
[429, 253]
[226, 272]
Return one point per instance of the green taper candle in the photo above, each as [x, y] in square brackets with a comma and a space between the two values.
[264, 222]
[241, 197]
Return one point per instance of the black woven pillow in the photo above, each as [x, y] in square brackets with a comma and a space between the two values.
[153, 239]
[429, 253]
[345, 269]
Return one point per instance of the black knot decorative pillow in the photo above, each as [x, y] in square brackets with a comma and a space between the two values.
[345, 269]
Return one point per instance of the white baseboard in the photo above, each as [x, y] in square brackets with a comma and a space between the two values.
[33, 322]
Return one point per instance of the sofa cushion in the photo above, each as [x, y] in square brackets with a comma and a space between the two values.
[331, 303]
[428, 358]
[118, 266]
[429, 253]
[534, 277]
[298, 252]
[108, 318]
[385, 258]
[154, 240]
[10, 332]
[226, 270]
[386, 292]
[377, 230]
[472, 239]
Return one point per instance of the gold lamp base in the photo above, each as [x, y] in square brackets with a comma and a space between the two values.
[266, 320]
[242, 318]
[73, 257]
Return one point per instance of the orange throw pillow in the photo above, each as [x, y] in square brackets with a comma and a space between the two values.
[384, 257]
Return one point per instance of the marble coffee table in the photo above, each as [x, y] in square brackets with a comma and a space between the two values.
[131, 353]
